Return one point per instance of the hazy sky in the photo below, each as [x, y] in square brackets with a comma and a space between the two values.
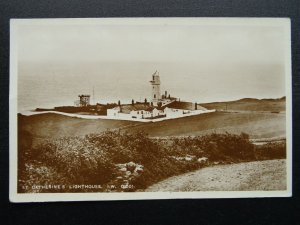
[197, 60]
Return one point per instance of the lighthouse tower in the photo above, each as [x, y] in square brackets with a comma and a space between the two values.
[155, 83]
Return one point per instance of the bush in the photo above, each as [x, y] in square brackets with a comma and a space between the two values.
[216, 146]
[100, 158]
[273, 150]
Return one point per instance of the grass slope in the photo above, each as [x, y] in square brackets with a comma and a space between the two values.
[51, 125]
[257, 125]
[249, 104]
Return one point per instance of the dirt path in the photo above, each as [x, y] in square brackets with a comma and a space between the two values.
[259, 175]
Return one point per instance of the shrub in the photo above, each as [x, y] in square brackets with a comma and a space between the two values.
[273, 150]
[94, 158]
[216, 146]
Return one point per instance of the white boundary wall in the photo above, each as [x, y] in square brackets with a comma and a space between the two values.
[121, 116]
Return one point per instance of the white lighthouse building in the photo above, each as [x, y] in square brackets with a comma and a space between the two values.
[155, 83]
[162, 106]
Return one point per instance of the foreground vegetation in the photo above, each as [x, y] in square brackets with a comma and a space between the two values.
[115, 161]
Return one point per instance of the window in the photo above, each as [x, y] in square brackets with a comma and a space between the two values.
[154, 95]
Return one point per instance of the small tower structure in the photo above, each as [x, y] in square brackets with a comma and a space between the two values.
[84, 100]
[155, 83]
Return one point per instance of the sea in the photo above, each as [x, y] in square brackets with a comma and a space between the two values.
[50, 85]
[59, 84]
[52, 91]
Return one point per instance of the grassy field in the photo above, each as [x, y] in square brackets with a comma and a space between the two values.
[264, 123]
[249, 104]
[257, 125]
[54, 125]
[50, 125]
[258, 118]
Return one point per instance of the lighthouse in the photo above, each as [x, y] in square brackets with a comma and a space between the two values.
[155, 83]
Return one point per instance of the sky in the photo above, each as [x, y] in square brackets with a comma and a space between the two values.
[198, 60]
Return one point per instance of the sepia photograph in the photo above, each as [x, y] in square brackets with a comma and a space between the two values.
[150, 108]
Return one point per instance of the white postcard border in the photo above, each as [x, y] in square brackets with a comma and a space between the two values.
[50, 197]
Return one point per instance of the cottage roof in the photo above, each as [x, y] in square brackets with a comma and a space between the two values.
[181, 105]
[115, 108]
[136, 107]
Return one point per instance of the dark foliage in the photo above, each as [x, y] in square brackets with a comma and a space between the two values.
[113, 158]
[273, 150]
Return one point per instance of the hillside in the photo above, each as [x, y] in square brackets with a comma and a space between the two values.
[263, 123]
[258, 125]
[51, 125]
[249, 104]
[132, 162]
[87, 155]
